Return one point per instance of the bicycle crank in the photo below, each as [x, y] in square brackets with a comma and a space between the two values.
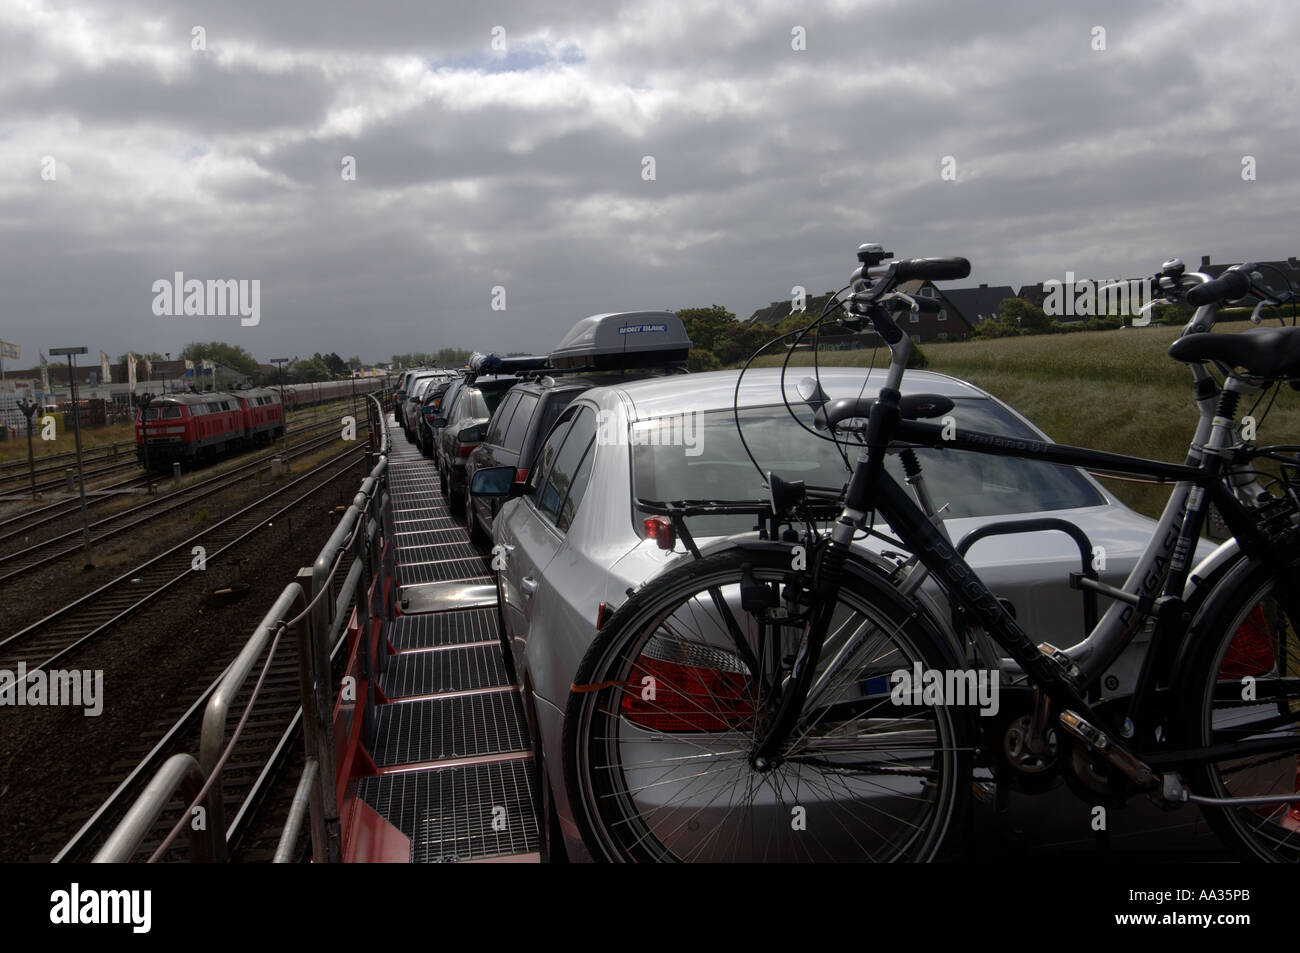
[1099, 742]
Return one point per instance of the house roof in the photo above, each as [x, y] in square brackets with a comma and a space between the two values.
[976, 304]
[778, 311]
[914, 287]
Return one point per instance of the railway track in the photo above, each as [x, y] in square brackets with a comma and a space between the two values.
[269, 740]
[24, 523]
[17, 469]
[44, 643]
[37, 555]
[44, 484]
[256, 787]
[15, 477]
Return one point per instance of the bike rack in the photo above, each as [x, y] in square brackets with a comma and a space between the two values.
[1040, 525]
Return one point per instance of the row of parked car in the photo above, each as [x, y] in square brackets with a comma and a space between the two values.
[546, 458]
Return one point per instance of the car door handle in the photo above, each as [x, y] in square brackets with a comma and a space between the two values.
[528, 584]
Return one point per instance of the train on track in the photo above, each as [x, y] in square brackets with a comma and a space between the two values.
[203, 425]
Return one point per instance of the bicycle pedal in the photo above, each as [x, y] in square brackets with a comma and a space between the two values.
[1063, 661]
[1101, 743]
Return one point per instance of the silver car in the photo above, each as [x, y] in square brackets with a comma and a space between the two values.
[574, 544]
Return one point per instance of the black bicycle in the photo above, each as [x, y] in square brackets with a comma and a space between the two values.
[787, 695]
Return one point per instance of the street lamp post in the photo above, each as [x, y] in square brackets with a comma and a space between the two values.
[284, 409]
[71, 353]
[29, 408]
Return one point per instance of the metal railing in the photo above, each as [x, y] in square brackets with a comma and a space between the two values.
[318, 623]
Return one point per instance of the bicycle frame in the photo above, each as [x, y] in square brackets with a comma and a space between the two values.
[1163, 568]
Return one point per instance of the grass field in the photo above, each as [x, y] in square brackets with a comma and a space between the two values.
[65, 440]
[1109, 390]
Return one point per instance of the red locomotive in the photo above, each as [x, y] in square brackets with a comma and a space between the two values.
[201, 426]
[192, 427]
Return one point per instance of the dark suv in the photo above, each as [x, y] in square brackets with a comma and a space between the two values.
[461, 424]
[516, 432]
[430, 407]
[599, 350]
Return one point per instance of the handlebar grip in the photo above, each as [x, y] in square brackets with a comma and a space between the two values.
[1231, 284]
[932, 269]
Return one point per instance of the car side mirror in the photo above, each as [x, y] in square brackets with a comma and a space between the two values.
[498, 482]
[438, 422]
[472, 434]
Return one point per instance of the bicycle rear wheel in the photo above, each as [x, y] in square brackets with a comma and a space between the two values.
[670, 701]
[1243, 676]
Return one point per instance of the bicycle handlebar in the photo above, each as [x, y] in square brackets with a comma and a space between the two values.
[931, 269]
[1231, 284]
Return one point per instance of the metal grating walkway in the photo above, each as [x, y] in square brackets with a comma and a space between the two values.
[459, 813]
[451, 744]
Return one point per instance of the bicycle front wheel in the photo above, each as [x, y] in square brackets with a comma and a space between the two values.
[674, 695]
[1243, 676]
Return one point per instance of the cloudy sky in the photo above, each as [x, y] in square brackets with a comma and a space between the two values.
[505, 145]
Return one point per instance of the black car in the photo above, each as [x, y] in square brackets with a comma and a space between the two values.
[430, 407]
[594, 353]
[463, 419]
[463, 422]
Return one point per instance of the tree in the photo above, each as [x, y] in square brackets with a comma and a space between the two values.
[354, 363]
[701, 360]
[307, 371]
[706, 327]
[335, 365]
[1025, 315]
[229, 355]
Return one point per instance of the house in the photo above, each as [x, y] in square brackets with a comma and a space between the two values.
[778, 311]
[978, 304]
[948, 325]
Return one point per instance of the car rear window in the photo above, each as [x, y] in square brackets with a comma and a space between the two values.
[566, 475]
[701, 457]
[501, 420]
[546, 418]
[514, 436]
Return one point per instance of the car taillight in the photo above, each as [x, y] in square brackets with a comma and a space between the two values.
[465, 449]
[1251, 651]
[521, 475]
[660, 529]
[670, 696]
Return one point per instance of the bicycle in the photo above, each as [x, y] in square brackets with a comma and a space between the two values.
[756, 700]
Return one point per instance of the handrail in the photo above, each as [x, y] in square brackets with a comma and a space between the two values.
[314, 622]
[302, 799]
[180, 771]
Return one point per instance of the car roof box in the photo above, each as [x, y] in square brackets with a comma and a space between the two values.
[481, 364]
[622, 341]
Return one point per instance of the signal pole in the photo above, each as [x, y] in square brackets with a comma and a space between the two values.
[72, 353]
